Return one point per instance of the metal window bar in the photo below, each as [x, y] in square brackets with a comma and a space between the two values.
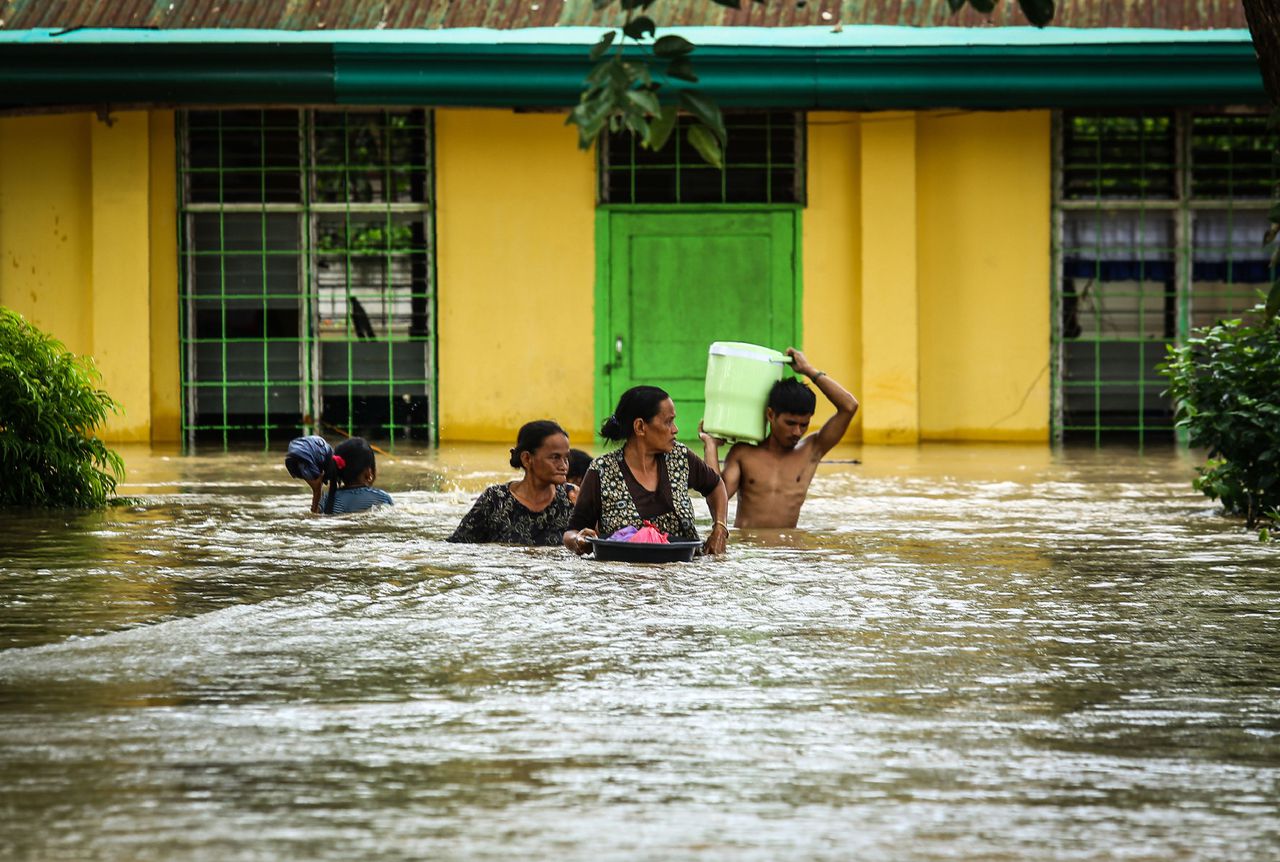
[1193, 189]
[354, 190]
[764, 163]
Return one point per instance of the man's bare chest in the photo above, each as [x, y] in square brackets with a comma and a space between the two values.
[777, 476]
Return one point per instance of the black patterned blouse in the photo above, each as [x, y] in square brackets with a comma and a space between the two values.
[498, 516]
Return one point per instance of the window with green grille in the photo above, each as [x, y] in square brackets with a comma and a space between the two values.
[307, 277]
[1159, 221]
[763, 164]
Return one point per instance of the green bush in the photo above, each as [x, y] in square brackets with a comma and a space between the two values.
[49, 407]
[1226, 384]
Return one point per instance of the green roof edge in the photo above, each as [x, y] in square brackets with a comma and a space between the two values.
[273, 67]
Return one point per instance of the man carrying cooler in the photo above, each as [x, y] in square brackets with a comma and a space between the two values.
[772, 477]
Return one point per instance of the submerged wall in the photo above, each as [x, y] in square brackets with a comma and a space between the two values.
[925, 267]
[515, 221]
[984, 271]
[926, 271]
[77, 234]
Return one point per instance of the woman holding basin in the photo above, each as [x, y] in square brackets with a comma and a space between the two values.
[648, 478]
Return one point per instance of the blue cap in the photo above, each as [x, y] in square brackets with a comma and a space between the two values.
[307, 456]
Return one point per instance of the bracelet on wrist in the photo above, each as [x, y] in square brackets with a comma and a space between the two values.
[720, 524]
[818, 374]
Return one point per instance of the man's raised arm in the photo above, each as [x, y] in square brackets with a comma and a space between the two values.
[732, 472]
[832, 431]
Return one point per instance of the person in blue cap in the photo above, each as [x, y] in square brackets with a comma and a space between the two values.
[308, 459]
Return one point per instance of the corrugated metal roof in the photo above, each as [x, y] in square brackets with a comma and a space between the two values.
[510, 14]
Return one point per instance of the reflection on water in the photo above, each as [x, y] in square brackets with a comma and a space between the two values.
[996, 653]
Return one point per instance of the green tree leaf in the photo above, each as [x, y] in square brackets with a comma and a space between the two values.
[661, 127]
[1273, 302]
[638, 73]
[598, 49]
[707, 112]
[1038, 12]
[645, 100]
[681, 68]
[637, 28]
[672, 46]
[705, 142]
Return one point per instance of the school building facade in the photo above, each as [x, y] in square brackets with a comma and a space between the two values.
[255, 224]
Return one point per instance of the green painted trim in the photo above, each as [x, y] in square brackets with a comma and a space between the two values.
[1179, 70]
[171, 75]
[797, 267]
[829, 78]
[435, 284]
[688, 208]
[603, 313]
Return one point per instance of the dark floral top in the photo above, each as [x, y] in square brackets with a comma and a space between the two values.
[498, 516]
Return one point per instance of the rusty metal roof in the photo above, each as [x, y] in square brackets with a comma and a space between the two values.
[511, 14]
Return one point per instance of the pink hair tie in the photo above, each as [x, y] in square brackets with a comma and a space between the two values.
[340, 461]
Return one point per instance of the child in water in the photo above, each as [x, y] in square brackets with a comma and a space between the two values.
[579, 463]
[312, 460]
[307, 460]
[354, 464]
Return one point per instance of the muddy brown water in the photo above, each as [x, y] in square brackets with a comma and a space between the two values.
[966, 653]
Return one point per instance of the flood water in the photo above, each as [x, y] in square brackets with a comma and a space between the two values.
[966, 653]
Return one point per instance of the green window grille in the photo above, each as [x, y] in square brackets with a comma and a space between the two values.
[763, 164]
[307, 276]
[1159, 218]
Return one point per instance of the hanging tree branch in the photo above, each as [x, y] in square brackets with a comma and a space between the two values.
[626, 90]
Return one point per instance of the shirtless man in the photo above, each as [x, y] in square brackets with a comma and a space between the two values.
[772, 477]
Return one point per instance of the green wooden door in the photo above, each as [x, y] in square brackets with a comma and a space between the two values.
[670, 282]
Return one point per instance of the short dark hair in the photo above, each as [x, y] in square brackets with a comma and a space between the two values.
[638, 402]
[791, 396]
[531, 437]
[579, 462]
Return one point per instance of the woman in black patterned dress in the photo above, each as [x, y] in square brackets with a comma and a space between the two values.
[533, 510]
[648, 478]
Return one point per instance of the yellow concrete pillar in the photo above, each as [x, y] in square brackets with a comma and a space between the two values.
[890, 304]
[121, 316]
[166, 380]
[832, 247]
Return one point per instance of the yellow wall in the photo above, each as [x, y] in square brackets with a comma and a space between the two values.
[832, 244]
[88, 236]
[45, 224]
[515, 274]
[984, 270]
[925, 266]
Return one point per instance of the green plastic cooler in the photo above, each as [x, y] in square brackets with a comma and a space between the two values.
[739, 377]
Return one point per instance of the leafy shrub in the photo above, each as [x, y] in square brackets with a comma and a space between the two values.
[1226, 384]
[49, 407]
